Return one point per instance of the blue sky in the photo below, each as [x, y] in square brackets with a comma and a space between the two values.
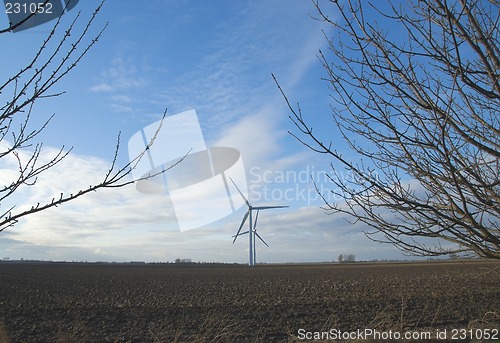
[212, 56]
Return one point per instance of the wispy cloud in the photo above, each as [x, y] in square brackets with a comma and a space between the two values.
[122, 81]
[231, 87]
[102, 88]
[122, 74]
[232, 76]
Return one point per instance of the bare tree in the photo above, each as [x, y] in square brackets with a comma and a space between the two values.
[55, 59]
[417, 101]
[349, 258]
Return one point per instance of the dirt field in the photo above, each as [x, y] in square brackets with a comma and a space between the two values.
[65, 302]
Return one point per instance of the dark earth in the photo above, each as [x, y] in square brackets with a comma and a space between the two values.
[86, 302]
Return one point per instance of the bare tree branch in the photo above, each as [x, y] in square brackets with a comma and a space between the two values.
[418, 108]
[55, 59]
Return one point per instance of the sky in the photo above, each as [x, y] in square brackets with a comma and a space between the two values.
[215, 57]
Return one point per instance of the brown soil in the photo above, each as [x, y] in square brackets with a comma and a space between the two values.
[69, 302]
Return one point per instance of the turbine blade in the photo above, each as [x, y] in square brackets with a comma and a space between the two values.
[241, 234]
[267, 207]
[256, 217]
[261, 238]
[245, 199]
[241, 225]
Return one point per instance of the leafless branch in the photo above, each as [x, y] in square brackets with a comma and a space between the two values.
[418, 108]
[55, 59]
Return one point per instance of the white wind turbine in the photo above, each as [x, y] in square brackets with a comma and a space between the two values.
[252, 230]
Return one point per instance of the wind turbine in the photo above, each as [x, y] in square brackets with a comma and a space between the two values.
[252, 230]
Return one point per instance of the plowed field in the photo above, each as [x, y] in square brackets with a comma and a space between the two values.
[70, 302]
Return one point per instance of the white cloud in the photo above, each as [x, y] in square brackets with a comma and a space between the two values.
[255, 136]
[120, 107]
[122, 98]
[123, 225]
[102, 218]
[102, 88]
[123, 76]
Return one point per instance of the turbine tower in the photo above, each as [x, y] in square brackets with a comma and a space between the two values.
[252, 229]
